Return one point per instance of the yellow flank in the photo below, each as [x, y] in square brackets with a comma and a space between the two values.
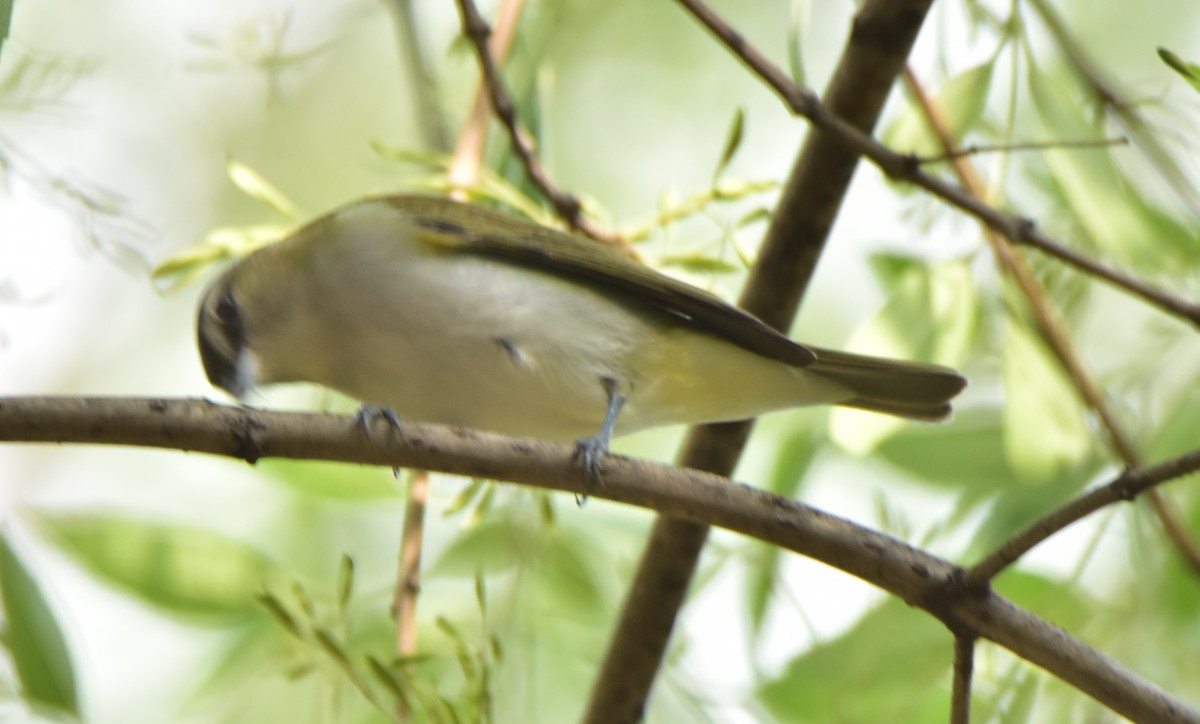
[702, 378]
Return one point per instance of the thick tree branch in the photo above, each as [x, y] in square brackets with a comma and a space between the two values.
[921, 579]
[883, 32]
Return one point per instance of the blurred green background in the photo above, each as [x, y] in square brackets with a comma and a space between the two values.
[157, 586]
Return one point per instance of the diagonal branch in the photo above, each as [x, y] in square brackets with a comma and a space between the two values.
[1127, 486]
[881, 37]
[466, 163]
[567, 206]
[919, 578]
[901, 167]
[1111, 97]
[1055, 334]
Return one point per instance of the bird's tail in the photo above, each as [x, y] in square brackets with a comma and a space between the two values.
[913, 390]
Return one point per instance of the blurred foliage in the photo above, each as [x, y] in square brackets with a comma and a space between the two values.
[34, 638]
[520, 588]
[1189, 71]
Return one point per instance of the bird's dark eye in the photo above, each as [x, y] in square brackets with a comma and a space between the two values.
[229, 316]
[226, 310]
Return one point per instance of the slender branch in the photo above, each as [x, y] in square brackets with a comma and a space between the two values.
[881, 37]
[408, 577]
[901, 167]
[1055, 334]
[1112, 98]
[465, 165]
[567, 206]
[964, 667]
[1149, 293]
[919, 578]
[976, 149]
[1125, 487]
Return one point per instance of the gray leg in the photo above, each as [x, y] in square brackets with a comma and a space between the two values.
[590, 451]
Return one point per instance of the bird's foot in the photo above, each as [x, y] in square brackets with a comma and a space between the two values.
[367, 414]
[590, 453]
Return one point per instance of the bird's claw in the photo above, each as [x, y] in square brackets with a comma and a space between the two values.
[590, 453]
[369, 413]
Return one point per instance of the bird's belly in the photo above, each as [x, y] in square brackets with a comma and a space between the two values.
[484, 384]
[528, 358]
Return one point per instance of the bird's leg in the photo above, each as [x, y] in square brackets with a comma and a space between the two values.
[590, 451]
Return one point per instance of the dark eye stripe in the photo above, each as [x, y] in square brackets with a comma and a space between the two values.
[229, 316]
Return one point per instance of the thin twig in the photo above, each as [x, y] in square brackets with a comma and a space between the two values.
[1147, 292]
[1112, 98]
[408, 575]
[568, 208]
[981, 148]
[1054, 332]
[921, 579]
[964, 667]
[467, 161]
[1125, 487]
[905, 168]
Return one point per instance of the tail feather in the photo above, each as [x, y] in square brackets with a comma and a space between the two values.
[912, 390]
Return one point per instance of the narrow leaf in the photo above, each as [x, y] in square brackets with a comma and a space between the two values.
[185, 570]
[255, 186]
[35, 641]
[1044, 420]
[1189, 71]
[733, 141]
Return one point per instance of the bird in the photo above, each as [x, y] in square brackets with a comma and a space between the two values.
[448, 312]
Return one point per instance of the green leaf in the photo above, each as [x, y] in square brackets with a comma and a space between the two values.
[932, 314]
[968, 455]
[335, 481]
[1045, 430]
[6, 11]
[698, 264]
[1177, 432]
[1017, 506]
[493, 546]
[733, 141]
[1189, 71]
[793, 460]
[188, 571]
[1106, 205]
[892, 666]
[566, 570]
[35, 641]
[218, 245]
[255, 186]
[1054, 598]
[960, 101]
[795, 56]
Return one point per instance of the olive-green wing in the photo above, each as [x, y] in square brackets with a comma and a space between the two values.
[490, 233]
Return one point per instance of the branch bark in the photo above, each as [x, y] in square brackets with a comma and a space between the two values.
[920, 579]
[883, 33]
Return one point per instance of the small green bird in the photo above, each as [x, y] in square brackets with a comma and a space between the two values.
[451, 313]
